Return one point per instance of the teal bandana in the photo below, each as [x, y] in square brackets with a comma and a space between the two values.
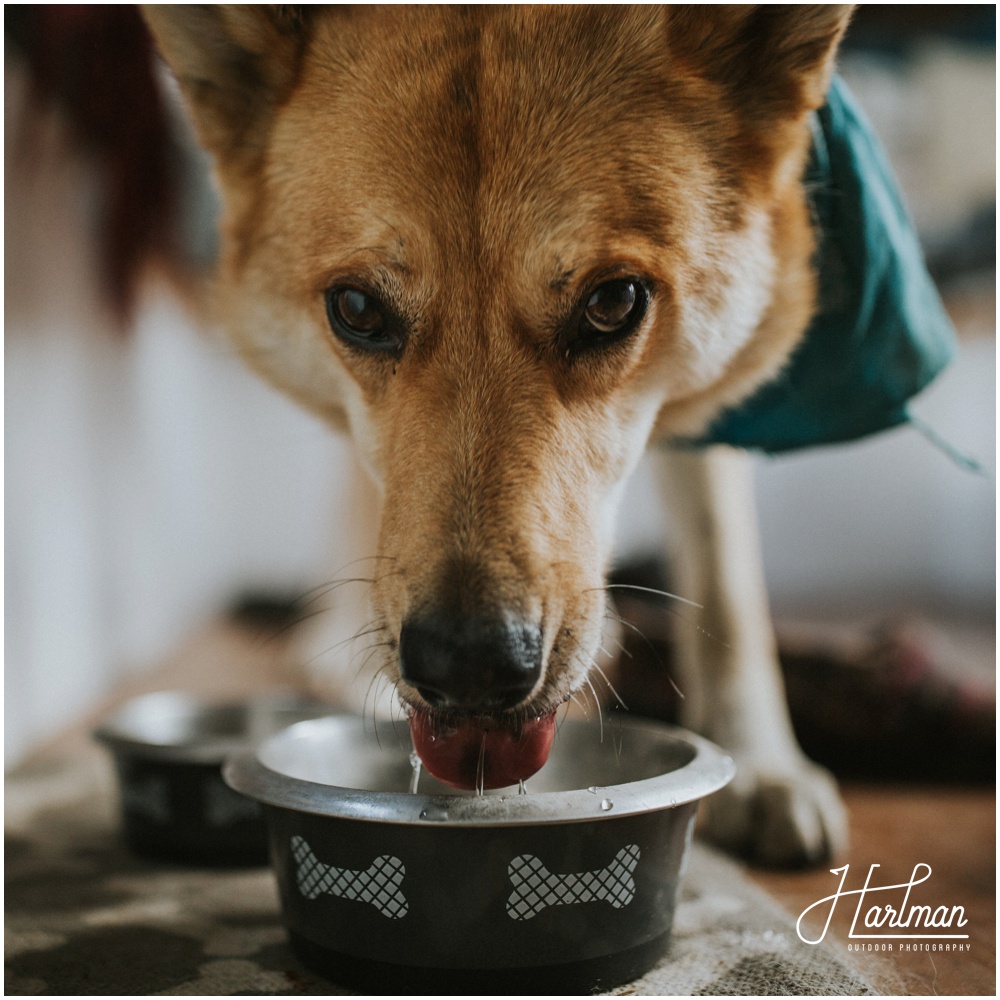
[881, 333]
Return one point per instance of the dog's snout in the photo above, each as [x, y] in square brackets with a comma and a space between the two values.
[470, 663]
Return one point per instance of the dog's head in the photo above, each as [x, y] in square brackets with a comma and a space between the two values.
[506, 247]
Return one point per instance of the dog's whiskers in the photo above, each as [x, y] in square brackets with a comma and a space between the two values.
[346, 566]
[368, 652]
[373, 626]
[621, 646]
[642, 635]
[303, 601]
[370, 628]
[320, 591]
[381, 676]
[650, 590]
[295, 622]
[597, 704]
[677, 614]
[595, 666]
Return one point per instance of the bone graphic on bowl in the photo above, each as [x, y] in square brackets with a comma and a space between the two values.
[379, 884]
[536, 888]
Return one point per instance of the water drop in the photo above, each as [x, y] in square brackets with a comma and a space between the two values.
[416, 764]
[592, 789]
[607, 804]
[423, 814]
[522, 788]
[673, 801]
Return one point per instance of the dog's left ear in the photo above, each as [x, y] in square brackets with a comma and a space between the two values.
[769, 64]
[234, 63]
[773, 59]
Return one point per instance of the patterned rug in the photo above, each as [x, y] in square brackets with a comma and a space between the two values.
[84, 917]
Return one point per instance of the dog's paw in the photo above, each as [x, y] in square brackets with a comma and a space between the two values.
[791, 818]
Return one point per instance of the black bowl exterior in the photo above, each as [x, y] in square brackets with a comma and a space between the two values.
[389, 907]
[185, 812]
[168, 749]
[570, 888]
[565, 979]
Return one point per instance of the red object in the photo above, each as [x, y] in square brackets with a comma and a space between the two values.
[482, 751]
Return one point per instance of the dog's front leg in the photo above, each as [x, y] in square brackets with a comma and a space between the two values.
[781, 808]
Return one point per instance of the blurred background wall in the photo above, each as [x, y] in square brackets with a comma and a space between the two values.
[150, 480]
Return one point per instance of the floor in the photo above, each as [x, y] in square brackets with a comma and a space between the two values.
[952, 830]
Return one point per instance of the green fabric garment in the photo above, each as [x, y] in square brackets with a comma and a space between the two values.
[880, 333]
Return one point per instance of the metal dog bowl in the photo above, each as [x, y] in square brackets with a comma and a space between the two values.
[569, 888]
[168, 750]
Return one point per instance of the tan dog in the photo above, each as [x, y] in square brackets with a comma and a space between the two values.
[507, 249]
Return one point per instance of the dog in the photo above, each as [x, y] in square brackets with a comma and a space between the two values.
[508, 249]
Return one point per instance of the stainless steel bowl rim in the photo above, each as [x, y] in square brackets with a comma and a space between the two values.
[114, 734]
[209, 752]
[709, 770]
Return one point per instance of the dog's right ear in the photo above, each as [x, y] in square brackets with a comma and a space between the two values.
[234, 63]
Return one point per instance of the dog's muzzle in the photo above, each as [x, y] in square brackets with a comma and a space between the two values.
[470, 663]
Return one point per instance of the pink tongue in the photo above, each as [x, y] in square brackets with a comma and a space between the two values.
[481, 752]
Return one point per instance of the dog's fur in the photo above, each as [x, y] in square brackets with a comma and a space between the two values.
[481, 171]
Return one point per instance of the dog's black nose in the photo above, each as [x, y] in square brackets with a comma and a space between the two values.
[470, 663]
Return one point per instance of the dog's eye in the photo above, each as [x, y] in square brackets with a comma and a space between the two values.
[358, 318]
[613, 309]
